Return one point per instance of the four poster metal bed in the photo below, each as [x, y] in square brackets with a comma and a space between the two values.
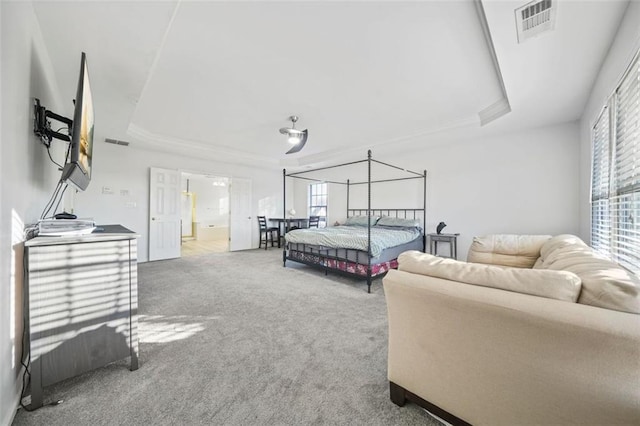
[366, 262]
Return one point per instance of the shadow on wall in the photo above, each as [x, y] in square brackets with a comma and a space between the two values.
[36, 155]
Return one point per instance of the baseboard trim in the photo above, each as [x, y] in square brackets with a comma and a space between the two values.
[399, 395]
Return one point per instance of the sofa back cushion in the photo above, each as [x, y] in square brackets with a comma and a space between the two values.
[604, 283]
[558, 242]
[519, 251]
[559, 285]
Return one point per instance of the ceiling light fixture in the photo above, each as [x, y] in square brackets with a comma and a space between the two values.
[298, 138]
[293, 139]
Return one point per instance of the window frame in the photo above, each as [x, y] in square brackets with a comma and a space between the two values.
[318, 194]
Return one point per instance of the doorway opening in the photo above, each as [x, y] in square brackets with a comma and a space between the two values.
[204, 214]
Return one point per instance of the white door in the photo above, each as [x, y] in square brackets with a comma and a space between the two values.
[164, 214]
[242, 220]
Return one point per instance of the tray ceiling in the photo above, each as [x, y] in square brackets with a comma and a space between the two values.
[220, 78]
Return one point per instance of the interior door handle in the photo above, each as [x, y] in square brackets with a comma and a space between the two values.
[153, 218]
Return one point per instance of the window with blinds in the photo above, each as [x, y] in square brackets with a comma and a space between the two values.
[318, 202]
[600, 215]
[615, 186]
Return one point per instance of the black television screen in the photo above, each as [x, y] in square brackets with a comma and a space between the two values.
[77, 170]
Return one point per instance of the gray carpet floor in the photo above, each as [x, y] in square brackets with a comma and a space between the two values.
[235, 338]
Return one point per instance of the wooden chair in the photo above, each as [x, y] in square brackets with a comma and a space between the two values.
[267, 233]
[314, 221]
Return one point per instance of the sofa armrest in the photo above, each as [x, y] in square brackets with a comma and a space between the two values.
[491, 356]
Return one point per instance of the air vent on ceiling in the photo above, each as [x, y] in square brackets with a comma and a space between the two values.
[116, 142]
[534, 18]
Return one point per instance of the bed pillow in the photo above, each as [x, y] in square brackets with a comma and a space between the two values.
[398, 222]
[361, 220]
[401, 228]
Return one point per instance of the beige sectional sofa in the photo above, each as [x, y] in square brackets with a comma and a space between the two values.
[537, 330]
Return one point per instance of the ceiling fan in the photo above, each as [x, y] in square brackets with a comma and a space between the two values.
[298, 138]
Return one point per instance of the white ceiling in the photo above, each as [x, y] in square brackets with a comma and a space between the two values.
[549, 78]
[220, 78]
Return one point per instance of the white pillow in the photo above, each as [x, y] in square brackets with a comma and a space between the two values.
[399, 222]
[361, 220]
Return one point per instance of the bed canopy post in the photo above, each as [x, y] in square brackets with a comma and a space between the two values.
[347, 198]
[284, 215]
[369, 221]
[424, 212]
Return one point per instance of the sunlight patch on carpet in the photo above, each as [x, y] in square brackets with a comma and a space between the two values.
[166, 329]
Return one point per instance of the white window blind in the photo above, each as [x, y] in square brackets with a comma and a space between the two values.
[600, 214]
[615, 185]
[626, 192]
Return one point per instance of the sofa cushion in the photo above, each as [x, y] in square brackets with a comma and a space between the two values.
[538, 264]
[558, 242]
[520, 251]
[604, 283]
[559, 285]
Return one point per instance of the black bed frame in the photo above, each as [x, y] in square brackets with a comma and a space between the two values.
[325, 254]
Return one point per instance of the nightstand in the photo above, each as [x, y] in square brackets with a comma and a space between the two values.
[451, 239]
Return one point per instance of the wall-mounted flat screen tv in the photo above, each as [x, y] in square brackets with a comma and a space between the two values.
[77, 170]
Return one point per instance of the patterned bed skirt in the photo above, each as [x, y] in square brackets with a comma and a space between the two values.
[343, 265]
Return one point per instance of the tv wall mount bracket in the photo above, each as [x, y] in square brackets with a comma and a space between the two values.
[42, 124]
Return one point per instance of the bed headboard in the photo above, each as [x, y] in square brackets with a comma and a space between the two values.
[402, 213]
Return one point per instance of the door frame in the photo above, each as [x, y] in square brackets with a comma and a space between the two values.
[202, 174]
[192, 197]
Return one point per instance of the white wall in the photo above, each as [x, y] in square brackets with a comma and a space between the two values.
[407, 194]
[516, 183]
[26, 175]
[621, 52]
[523, 183]
[212, 202]
[127, 169]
